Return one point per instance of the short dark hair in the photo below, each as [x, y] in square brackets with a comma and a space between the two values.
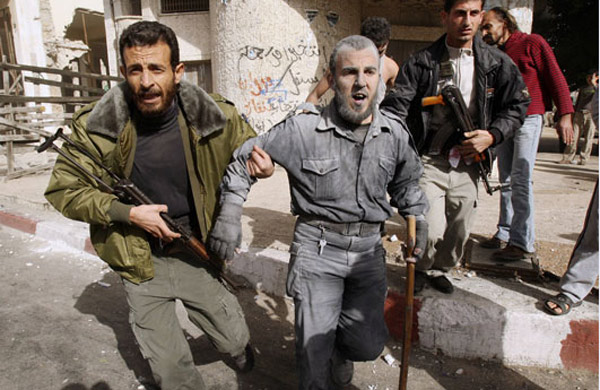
[146, 33]
[448, 4]
[376, 29]
[504, 15]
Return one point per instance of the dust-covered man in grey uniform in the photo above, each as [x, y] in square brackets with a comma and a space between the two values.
[340, 163]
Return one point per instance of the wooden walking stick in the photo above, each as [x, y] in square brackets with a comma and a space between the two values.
[411, 238]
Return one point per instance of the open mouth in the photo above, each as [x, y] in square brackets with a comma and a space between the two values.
[149, 97]
[359, 98]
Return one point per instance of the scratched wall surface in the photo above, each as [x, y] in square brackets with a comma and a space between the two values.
[267, 55]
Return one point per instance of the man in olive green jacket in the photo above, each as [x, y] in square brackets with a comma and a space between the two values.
[174, 141]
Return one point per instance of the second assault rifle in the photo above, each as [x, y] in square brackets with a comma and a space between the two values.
[128, 193]
[451, 97]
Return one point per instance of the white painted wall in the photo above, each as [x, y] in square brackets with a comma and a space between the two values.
[28, 40]
[267, 56]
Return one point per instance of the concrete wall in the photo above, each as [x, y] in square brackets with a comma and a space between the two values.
[192, 29]
[28, 39]
[62, 12]
[267, 55]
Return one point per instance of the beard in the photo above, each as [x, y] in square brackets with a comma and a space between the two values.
[489, 39]
[155, 110]
[347, 112]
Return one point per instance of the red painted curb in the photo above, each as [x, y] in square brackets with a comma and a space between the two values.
[394, 315]
[17, 222]
[580, 348]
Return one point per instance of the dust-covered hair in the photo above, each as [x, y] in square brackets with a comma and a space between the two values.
[354, 42]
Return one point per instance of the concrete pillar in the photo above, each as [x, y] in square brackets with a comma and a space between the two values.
[522, 10]
[267, 55]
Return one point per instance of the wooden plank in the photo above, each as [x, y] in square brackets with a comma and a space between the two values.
[39, 69]
[23, 172]
[14, 110]
[52, 115]
[39, 80]
[19, 138]
[42, 124]
[20, 126]
[49, 99]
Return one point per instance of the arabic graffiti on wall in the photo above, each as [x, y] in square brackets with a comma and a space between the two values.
[273, 81]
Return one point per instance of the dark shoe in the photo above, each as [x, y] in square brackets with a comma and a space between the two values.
[342, 370]
[245, 361]
[562, 305]
[420, 280]
[493, 243]
[512, 253]
[442, 284]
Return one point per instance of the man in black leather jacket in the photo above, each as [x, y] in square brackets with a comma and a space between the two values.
[497, 99]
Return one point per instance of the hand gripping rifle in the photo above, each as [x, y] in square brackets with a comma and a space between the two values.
[128, 193]
[451, 97]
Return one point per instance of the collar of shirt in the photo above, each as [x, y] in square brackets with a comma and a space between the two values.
[330, 120]
[455, 52]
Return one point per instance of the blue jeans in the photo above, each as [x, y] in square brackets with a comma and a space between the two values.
[516, 159]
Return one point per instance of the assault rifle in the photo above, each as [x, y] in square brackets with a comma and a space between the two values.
[128, 193]
[451, 97]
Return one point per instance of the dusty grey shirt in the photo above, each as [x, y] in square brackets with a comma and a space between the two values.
[332, 175]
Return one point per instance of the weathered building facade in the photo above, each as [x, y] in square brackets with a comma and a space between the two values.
[266, 55]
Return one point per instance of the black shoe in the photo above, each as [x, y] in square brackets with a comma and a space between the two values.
[442, 284]
[513, 253]
[420, 280]
[245, 361]
[493, 243]
[341, 370]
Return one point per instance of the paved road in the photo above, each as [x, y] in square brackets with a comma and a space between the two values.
[63, 320]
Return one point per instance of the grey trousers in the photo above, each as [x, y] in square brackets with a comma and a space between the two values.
[582, 272]
[209, 305]
[452, 195]
[339, 297]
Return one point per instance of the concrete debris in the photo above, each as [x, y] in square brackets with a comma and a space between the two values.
[389, 359]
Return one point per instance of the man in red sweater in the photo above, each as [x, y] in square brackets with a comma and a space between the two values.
[515, 236]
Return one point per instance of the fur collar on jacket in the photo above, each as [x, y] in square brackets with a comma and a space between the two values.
[112, 112]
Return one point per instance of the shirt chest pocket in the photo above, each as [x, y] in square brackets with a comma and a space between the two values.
[324, 177]
[382, 173]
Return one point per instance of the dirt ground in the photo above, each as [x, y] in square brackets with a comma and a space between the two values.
[63, 320]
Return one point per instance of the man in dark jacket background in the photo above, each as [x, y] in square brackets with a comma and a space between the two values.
[174, 142]
[497, 100]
